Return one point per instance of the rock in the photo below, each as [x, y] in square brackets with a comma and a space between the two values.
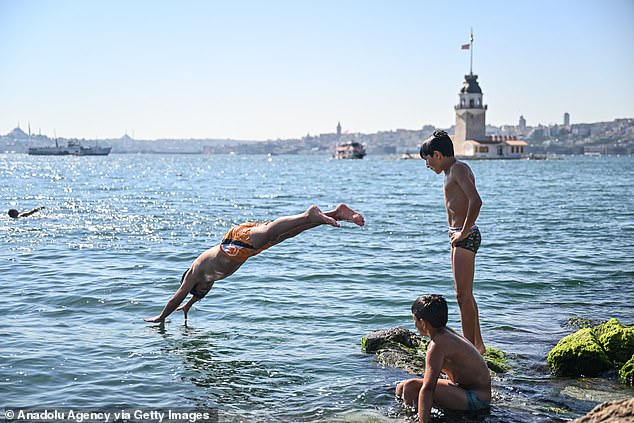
[577, 355]
[626, 373]
[384, 338]
[611, 411]
[404, 349]
[592, 351]
[397, 347]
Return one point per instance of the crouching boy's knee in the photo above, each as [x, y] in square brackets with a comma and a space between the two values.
[408, 391]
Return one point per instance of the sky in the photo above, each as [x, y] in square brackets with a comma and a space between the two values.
[269, 69]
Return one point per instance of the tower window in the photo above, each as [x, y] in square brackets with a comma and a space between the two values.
[471, 103]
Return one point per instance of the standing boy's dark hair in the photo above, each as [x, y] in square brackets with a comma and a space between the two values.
[432, 308]
[439, 141]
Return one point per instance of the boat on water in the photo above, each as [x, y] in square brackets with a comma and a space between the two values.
[349, 150]
[71, 149]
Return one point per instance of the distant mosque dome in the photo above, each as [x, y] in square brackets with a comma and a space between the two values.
[18, 133]
[470, 85]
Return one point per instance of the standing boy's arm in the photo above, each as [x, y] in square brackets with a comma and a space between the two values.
[433, 368]
[465, 181]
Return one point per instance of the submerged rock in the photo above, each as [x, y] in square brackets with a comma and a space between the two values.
[611, 411]
[403, 349]
[592, 351]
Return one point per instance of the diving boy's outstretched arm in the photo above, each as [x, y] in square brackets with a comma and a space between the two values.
[176, 300]
[185, 307]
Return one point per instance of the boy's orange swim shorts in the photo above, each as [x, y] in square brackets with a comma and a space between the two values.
[236, 243]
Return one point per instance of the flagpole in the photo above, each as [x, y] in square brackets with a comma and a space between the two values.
[471, 52]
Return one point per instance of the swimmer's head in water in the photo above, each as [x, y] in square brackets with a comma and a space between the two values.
[13, 213]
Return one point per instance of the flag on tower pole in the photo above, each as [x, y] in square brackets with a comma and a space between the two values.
[470, 48]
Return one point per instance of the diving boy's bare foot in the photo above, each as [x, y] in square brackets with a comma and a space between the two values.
[315, 215]
[343, 212]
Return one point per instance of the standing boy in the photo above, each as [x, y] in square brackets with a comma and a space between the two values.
[463, 206]
[240, 243]
[468, 386]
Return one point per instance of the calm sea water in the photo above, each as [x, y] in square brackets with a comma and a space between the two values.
[280, 339]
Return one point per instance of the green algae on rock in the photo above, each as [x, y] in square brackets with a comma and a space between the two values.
[626, 373]
[617, 340]
[592, 351]
[578, 354]
[496, 360]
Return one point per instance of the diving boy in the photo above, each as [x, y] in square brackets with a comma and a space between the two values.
[463, 203]
[240, 243]
[468, 386]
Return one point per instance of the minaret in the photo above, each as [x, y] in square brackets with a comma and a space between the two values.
[338, 130]
[522, 124]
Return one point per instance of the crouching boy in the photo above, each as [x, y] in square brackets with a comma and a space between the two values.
[468, 386]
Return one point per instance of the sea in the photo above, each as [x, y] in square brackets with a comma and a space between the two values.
[279, 341]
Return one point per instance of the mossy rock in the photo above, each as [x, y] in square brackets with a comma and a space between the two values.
[616, 339]
[579, 354]
[496, 360]
[385, 338]
[397, 347]
[626, 373]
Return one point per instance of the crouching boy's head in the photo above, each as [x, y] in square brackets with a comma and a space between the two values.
[431, 310]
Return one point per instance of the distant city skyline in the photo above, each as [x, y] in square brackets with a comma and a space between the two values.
[253, 70]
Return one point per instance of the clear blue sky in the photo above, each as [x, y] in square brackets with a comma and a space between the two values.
[267, 69]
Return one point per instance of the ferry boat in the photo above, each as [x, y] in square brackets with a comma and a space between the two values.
[349, 150]
[71, 149]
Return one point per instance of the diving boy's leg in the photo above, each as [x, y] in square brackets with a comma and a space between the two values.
[463, 266]
[288, 226]
[345, 213]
